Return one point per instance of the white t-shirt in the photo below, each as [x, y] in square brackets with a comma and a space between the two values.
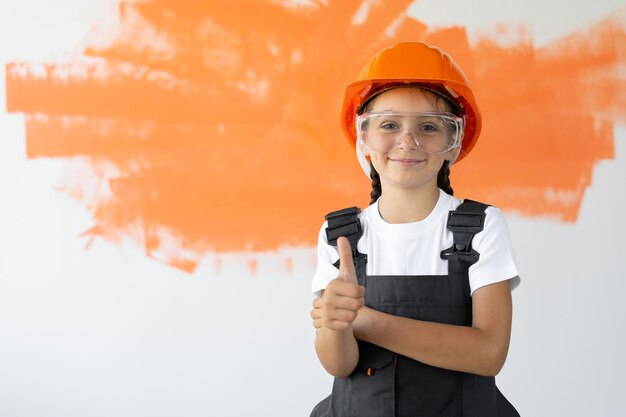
[415, 248]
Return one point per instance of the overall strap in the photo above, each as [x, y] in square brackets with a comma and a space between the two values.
[346, 223]
[466, 221]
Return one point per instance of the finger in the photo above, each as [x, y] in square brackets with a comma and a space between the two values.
[345, 302]
[317, 320]
[345, 315]
[317, 323]
[346, 264]
[340, 287]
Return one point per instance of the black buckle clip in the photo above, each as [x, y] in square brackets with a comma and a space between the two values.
[344, 223]
[350, 211]
[463, 225]
[463, 253]
[465, 222]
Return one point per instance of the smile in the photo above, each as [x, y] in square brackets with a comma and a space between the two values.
[406, 162]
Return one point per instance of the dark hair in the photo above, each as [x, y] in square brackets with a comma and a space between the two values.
[443, 177]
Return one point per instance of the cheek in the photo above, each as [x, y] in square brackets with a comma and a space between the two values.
[378, 160]
[452, 154]
[375, 156]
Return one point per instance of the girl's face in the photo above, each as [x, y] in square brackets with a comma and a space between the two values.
[406, 165]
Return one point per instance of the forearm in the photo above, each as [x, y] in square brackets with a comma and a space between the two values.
[337, 350]
[460, 348]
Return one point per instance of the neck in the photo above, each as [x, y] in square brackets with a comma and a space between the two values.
[398, 205]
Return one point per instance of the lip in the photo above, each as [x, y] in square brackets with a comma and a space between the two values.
[406, 161]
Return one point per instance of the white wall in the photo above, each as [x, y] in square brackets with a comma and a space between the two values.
[108, 332]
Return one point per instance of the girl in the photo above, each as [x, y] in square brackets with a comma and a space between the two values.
[416, 320]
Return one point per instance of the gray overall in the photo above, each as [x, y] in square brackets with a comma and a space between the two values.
[385, 384]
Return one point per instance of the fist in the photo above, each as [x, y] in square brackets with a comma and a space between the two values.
[340, 302]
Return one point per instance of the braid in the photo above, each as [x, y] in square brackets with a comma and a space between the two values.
[376, 188]
[443, 178]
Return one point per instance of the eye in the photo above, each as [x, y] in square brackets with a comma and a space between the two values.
[388, 125]
[429, 128]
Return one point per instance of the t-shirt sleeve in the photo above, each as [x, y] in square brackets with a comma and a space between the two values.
[496, 262]
[327, 255]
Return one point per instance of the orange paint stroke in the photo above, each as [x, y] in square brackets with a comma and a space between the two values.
[223, 126]
[548, 119]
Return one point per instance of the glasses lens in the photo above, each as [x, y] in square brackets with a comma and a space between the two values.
[432, 132]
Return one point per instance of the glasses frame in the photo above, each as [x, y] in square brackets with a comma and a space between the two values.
[458, 121]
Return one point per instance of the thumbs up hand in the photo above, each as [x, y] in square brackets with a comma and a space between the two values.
[346, 264]
[340, 302]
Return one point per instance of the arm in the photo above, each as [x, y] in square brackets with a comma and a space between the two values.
[337, 350]
[480, 349]
[334, 314]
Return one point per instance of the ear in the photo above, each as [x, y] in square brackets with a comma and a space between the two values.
[363, 147]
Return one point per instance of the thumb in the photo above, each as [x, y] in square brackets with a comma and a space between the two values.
[346, 264]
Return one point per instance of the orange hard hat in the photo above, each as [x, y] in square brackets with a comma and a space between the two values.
[413, 63]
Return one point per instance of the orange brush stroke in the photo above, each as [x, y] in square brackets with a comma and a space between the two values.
[548, 119]
[224, 125]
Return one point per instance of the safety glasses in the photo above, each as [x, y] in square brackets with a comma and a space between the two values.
[433, 132]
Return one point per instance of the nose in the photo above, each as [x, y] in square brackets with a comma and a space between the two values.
[406, 141]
